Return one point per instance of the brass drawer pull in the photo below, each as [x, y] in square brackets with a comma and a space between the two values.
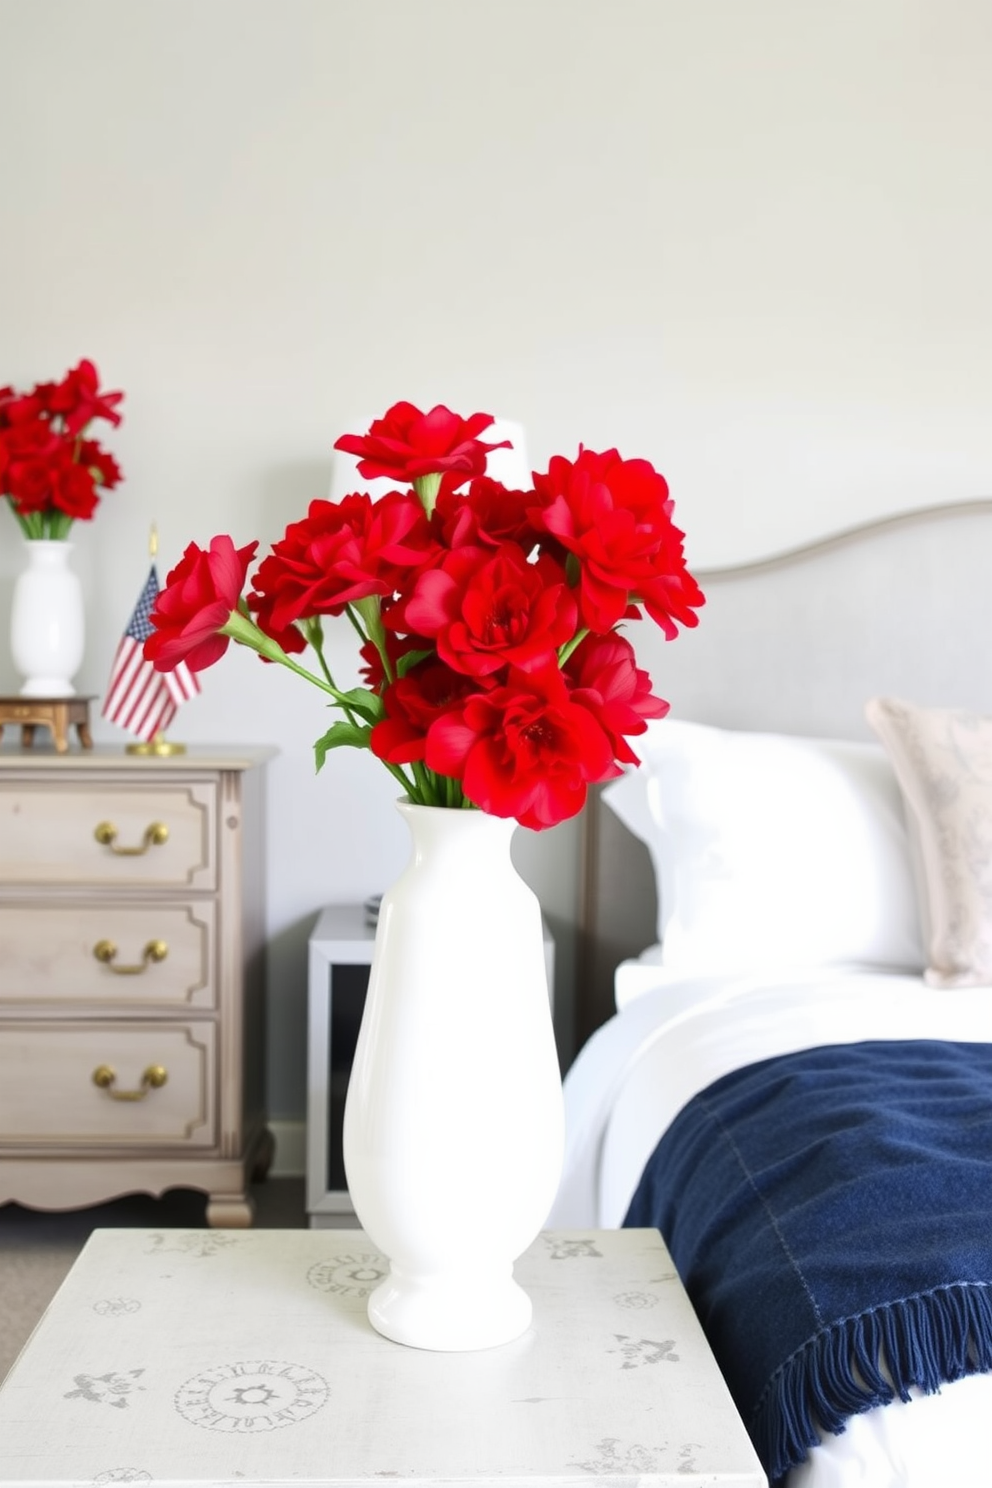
[155, 835]
[105, 951]
[154, 1077]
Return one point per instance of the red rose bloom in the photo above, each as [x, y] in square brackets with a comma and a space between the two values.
[18, 409]
[485, 516]
[607, 680]
[102, 466]
[77, 399]
[200, 594]
[34, 454]
[413, 704]
[29, 484]
[526, 749]
[73, 488]
[406, 443]
[52, 475]
[341, 552]
[614, 515]
[29, 437]
[486, 610]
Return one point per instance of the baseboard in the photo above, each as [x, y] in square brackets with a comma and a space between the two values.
[290, 1160]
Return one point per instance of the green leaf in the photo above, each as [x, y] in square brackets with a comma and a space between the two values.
[366, 704]
[409, 659]
[340, 734]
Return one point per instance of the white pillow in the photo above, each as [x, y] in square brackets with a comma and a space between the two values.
[772, 852]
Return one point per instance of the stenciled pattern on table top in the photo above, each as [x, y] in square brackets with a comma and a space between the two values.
[572, 1248]
[192, 1243]
[112, 1388]
[687, 1456]
[611, 1456]
[635, 1301]
[349, 1275]
[258, 1395]
[638, 1351]
[116, 1306]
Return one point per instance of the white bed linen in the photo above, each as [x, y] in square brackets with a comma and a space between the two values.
[672, 1040]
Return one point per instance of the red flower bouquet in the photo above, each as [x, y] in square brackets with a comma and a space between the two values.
[489, 620]
[50, 470]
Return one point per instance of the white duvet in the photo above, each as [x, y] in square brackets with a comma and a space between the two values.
[675, 1036]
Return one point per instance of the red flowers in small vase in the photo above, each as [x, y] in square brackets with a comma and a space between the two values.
[50, 471]
[489, 620]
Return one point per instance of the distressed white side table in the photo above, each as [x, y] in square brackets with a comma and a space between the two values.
[340, 956]
[230, 1358]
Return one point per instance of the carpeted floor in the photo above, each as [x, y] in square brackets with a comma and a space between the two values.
[37, 1249]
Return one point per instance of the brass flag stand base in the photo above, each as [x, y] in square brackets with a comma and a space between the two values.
[157, 745]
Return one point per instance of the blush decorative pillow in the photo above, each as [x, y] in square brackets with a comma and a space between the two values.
[772, 852]
[943, 761]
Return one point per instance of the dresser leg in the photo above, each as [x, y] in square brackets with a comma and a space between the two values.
[230, 1211]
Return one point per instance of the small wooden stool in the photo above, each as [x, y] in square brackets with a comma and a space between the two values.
[57, 714]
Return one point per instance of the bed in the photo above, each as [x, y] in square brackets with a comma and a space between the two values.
[786, 997]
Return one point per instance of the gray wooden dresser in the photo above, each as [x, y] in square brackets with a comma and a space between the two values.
[131, 976]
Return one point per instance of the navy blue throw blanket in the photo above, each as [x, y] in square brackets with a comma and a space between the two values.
[830, 1215]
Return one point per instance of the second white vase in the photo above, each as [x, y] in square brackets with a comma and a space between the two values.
[47, 621]
[454, 1125]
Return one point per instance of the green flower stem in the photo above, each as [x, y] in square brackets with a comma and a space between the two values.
[315, 635]
[564, 652]
[398, 773]
[39, 526]
[313, 631]
[356, 623]
[427, 487]
[453, 795]
[425, 784]
[247, 633]
[317, 644]
[369, 612]
[244, 630]
[425, 788]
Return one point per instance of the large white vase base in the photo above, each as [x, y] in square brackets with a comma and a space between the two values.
[47, 687]
[474, 1311]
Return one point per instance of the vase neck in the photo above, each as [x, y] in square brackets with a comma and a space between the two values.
[475, 843]
[48, 552]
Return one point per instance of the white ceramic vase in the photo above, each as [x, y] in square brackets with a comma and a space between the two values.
[454, 1124]
[47, 621]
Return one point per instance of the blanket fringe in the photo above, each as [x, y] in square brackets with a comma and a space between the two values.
[925, 1340]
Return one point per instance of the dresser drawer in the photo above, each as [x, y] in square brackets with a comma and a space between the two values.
[109, 954]
[48, 1095]
[94, 833]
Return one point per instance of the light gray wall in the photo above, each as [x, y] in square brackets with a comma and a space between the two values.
[749, 241]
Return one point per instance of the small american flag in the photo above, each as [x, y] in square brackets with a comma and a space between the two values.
[139, 698]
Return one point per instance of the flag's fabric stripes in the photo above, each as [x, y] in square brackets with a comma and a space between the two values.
[140, 699]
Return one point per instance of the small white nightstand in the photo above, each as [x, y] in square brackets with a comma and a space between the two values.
[245, 1359]
[340, 956]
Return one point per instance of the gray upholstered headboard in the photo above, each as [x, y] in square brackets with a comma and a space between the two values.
[796, 644]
